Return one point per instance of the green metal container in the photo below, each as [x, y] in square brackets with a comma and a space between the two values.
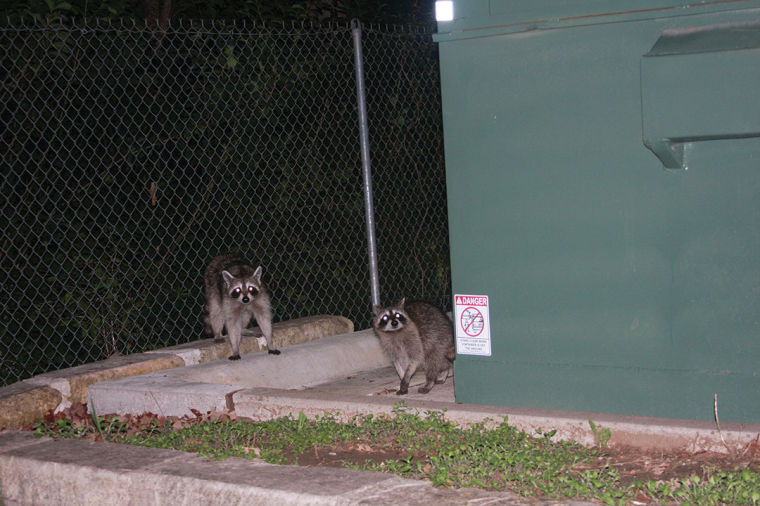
[603, 179]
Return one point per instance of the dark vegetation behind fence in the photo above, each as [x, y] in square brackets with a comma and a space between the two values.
[130, 157]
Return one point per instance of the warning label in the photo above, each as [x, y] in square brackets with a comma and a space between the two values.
[473, 328]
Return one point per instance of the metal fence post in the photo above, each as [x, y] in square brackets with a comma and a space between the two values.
[369, 210]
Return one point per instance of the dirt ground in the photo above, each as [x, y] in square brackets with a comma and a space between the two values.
[634, 464]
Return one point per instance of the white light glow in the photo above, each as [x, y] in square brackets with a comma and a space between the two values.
[444, 10]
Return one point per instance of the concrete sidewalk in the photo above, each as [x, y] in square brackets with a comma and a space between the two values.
[349, 375]
[24, 402]
[345, 375]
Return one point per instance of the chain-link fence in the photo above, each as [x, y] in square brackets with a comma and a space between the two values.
[130, 157]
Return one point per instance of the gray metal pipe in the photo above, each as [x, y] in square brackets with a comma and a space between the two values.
[369, 209]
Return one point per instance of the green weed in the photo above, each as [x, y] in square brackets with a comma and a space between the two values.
[602, 435]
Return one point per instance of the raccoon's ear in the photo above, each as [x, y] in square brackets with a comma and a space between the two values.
[227, 278]
[257, 274]
[400, 304]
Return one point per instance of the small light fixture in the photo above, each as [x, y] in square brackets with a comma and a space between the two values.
[444, 10]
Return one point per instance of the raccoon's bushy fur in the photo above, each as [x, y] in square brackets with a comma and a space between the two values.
[416, 334]
[234, 294]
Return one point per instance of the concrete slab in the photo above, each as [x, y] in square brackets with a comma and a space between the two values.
[23, 403]
[72, 384]
[160, 394]
[643, 432]
[385, 382]
[287, 333]
[87, 473]
[349, 375]
[346, 375]
[205, 387]
[297, 366]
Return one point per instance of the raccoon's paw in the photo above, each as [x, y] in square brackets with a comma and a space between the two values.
[236, 356]
[402, 392]
[440, 382]
[424, 390]
[274, 352]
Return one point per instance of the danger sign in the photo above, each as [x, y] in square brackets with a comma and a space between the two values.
[473, 328]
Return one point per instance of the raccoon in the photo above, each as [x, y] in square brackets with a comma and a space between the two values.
[416, 334]
[234, 293]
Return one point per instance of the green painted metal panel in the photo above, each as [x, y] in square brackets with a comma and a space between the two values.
[482, 18]
[614, 285]
[709, 76]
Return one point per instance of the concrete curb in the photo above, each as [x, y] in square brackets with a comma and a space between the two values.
[73, 383]
[84, 472]
[24, 402]
[210, 386]
[287, 333]
[335, 375]
[80, 472]
[661, 433]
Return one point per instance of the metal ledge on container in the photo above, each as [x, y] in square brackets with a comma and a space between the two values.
[694, 88]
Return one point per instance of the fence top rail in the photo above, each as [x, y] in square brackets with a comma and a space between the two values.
[203, 25]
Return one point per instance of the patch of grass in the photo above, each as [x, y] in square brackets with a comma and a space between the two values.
[722, 487]
[420, 446]
[602, 435]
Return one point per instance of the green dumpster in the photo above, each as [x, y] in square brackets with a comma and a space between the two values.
[603, 179]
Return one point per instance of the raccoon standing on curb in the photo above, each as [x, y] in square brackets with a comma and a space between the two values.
[416, 334]
[234, 293]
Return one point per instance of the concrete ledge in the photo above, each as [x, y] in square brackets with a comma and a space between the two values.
[288, 333]
[159, 394]
[206, 387]
[22, 404]
[311, 328]
[299, 366]
[349, 375]
[88, 473]
[643, 432]
[72, 385]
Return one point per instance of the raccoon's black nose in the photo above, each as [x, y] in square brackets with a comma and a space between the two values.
[394, 323]
[245, 299]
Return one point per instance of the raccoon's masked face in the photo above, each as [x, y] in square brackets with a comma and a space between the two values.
[243, 290]
[390, 319]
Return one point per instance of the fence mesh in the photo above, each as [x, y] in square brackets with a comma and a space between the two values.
[131, 157]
